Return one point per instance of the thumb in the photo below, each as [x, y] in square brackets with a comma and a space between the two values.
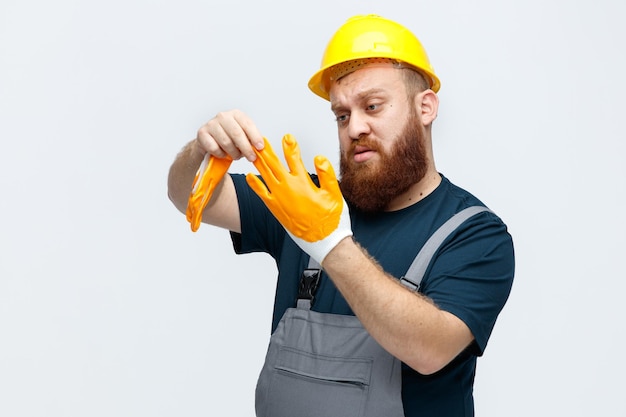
[258, 187]
[325, 173]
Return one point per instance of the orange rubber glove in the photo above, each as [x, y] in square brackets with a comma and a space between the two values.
[317, 218]
[209, 174]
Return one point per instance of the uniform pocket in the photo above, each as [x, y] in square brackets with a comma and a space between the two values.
[311, 385]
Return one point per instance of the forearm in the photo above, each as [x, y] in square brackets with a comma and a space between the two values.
[406, 324]
[182, 173]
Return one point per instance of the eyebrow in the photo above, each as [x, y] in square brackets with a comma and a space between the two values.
[360, 96]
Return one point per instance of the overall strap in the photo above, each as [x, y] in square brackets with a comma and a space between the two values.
[413, 277]
[313, 264]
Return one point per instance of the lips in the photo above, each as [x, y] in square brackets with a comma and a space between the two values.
[362, 153]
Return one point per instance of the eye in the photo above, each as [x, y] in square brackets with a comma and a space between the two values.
[341, 119]
[371, 107]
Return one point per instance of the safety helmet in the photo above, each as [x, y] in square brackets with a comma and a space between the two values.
[364, 38]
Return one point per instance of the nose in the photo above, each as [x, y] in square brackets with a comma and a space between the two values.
[358, 126]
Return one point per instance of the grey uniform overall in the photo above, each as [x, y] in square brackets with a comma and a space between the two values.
[327, 365]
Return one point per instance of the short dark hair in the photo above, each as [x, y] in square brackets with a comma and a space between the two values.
[414, 81]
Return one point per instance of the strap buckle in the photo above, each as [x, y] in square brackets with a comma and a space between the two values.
[412, 286]
[309, 281]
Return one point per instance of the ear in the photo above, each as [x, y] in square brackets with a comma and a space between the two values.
[427, 104]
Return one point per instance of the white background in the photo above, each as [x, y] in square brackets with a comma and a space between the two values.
[111, 306]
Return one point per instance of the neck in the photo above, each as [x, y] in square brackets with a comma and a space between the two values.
[416, 192]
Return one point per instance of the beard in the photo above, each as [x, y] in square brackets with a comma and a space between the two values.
[372, 185]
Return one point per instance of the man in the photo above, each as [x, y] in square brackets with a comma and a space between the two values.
[382, 91]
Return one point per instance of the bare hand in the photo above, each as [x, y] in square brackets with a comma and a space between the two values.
[231, 133]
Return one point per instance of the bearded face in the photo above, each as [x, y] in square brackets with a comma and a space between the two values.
[372, 185]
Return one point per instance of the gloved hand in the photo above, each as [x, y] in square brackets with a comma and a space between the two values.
[316, 218]
[209, 174]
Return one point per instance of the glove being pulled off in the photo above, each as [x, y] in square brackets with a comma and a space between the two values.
[316, 218]
[209, 174]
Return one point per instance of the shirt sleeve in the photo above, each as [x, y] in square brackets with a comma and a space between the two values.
[472, 274]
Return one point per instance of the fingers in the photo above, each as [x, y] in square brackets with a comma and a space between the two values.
[292, 154]
[231, 133]
[269, 166]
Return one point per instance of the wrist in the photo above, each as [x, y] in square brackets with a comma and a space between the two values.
[341, 251]
[320, 249]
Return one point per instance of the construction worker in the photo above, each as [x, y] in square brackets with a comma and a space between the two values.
[391, 278]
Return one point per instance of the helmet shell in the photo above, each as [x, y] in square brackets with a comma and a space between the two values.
[372, 36]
